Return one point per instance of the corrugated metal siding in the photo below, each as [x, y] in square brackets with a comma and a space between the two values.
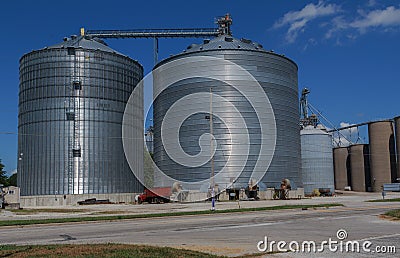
[46, 86]
[278, 78]
[317, 160]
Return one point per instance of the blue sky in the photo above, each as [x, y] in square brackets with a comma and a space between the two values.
[347, 51]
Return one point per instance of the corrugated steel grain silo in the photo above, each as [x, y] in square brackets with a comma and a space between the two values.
[72, 98]
[277, 76]
[340, 157]
[359, 162]
[382, 154]
[316, 159]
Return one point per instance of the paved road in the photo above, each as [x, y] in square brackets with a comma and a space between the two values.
[229, 234]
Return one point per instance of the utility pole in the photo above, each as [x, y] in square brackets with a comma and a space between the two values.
[212, 183]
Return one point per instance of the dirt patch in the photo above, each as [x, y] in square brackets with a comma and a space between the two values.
[35, 211]
[98, 250]
[386, 217]
[212, 249]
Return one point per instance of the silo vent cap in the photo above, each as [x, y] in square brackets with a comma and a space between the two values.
[191, 46]
[248, 41]
[228, 39]
[258, 45]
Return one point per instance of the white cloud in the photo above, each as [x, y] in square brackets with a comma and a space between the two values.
[346, 136]
[310, 42]
[12, 172]
[336, 25]
[388, 17]
[297, 20]
[350, 130]
[371, 3]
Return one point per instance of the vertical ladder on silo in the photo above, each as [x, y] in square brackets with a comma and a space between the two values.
[70, 115]
[76, 150]
[73, 115]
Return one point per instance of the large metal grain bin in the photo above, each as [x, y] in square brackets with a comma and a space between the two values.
[316, 159]
[382, 154]
[71, 102]
[340, 160]
[197, 74]
[360, 171]
[397, 126]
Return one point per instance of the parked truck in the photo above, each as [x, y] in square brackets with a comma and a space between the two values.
[155, 195]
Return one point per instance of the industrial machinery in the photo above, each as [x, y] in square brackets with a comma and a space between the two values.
[282, 193]
[306, 119]
[155, 195]
[224, 24]
[251, 190]
[163, 194]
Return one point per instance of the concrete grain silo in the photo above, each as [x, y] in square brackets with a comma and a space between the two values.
[360, 170]
[72, 97]
[340, 159]
[382, 154]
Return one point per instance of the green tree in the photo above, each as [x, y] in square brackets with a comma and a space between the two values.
[3, 176]
[148, 169]
[12, 180]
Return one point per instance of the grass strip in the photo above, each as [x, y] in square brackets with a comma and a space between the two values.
[156, 215]
[98, 250]
[393, 213]
[385, 200]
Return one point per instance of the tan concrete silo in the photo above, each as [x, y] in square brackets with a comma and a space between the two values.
[340, 167]
[397, 124]
[359, 167]
[382, 154]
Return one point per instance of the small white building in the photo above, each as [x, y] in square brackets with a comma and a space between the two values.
[11, 197]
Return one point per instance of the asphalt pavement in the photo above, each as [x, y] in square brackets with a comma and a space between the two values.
[234, 233]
